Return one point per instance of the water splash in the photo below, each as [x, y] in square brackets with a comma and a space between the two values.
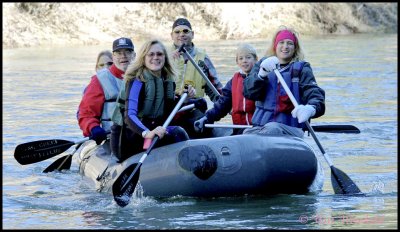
[138, 193]
[378, 187]
[138, 200]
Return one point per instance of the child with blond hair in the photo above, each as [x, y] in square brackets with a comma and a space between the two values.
[232, 98]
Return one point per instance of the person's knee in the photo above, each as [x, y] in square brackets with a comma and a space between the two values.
[252, 130]
[273, 128]
[273, 125]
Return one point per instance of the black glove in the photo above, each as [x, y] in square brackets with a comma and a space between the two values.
[199, 124]
[98, 134]
[199, 103]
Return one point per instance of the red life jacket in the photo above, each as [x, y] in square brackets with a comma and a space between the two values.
[242, 108]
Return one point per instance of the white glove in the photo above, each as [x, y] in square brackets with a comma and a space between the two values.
[268, 65]
[303, 112]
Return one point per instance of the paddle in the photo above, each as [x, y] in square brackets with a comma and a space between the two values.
[36, 151]
[182, 49]
[350, 129]
[63, 162]
[342, 184]
[125, 184]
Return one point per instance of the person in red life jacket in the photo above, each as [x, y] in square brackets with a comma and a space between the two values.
[100, 95]
[150, 98]
[232, 94]
[275, 113]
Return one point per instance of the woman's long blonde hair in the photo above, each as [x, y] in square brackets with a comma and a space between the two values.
[136, 69]
[298, 52]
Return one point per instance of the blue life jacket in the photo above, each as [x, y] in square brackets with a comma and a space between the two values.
[276, 105]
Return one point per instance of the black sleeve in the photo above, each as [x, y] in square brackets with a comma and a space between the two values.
[253, 86]
[223, 105]
[310, 92]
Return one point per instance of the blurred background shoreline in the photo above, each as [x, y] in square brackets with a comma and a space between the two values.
[55, 24]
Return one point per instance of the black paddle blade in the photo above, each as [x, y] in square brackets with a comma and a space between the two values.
[60, 164]
[123, 188]
[342, 184]
[349, 129]
[32, 152]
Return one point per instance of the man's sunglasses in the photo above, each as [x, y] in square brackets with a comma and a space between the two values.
[185, 31]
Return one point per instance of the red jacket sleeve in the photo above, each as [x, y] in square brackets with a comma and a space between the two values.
[91, 106]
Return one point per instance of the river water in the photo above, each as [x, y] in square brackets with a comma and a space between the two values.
[42, 88]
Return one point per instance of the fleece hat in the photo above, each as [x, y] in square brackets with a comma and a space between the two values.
[285, 34]
[181, 21]
[122, 43]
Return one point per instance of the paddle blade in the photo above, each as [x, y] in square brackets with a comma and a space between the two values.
[32, 152]
[349, 129]
[60, 164]
[124, 187]
[342, 184]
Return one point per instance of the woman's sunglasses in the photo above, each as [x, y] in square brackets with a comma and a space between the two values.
[108, 64]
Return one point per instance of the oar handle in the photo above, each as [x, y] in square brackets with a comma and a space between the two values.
[212, 87]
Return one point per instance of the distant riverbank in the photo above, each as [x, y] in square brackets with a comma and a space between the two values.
[41, 24]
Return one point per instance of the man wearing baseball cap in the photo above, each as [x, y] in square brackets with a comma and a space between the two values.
[99, 99]
[187, 74]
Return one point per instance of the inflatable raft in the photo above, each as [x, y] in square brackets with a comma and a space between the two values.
[247, 164]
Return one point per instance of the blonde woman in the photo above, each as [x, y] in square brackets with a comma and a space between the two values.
[275, 113]
[104, 60]
[150, 97]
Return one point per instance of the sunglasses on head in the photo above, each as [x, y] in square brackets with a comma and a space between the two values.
[185, 31]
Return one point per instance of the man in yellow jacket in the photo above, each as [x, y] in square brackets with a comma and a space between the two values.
[187, 74]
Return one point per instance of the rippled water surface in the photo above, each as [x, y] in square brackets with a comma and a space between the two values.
[42, 88]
